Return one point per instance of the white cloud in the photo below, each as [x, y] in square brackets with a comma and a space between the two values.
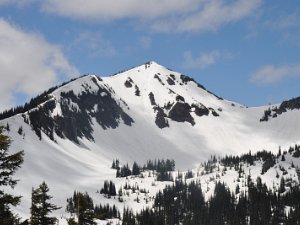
[204, 60]
[215, 13]
[285, 22]
[28, 64]
[93, 44]
[159, 15]
[17, 2]
[271, 74]
[117, 9]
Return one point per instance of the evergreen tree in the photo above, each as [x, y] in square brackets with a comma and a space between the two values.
[83, 207]
[7, 127]
[135, 169]
[41, 207]
[20, 130]
[8, 166]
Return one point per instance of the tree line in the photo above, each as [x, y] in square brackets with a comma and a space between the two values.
[180, 203]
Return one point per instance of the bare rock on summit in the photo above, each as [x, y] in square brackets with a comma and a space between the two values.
[180, 112]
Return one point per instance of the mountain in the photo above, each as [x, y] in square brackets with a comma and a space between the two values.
[73, 132]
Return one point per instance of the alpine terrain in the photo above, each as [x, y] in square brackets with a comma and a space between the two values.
[151, 116]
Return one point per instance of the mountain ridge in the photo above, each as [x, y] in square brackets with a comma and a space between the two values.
[72, 133]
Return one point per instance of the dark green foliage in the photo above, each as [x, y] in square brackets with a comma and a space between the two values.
[108, 189]
[267, 165]
[75, 122]
[268, 159]
[135, 169]
[267, 114]
[162, 167]
[9, 164]
[128, 218]
[296, 151]
[33, 103]
[291, 104]
[106, 212]
[20, 130]
[184, 204]
[116, 164]
[189, 174]
[81, 205]
[41, 207]
[7, 127]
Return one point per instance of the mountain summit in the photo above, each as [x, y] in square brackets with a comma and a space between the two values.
[74, 131]
[149, 112]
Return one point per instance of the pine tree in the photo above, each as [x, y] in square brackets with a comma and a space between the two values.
[8, 166]
[7, 127]
[41, 207]
[83, 207]
[135, 169]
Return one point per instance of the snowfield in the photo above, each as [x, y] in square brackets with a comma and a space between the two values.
[67, 166]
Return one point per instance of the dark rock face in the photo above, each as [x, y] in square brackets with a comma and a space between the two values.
[160, 119]
[179, 98]
[185, 79]
[77, 113]
[128, 84]
[213, 112]
[180, 112]
[152, 99]
[292, 104]
[137, 91]
[170, 81]
[173, 76]
[168, 106]
[156, 76]
[200, 110]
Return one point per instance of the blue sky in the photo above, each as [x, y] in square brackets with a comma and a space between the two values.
[245, 51]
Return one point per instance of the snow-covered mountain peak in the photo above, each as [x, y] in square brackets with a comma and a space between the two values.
[73, 132]
[150, 105]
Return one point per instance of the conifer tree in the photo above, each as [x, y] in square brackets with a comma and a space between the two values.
[135, 169]
[8, 166]
[81, 204]
[41, 207]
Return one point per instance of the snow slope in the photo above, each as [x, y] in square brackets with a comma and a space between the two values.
[67, 166]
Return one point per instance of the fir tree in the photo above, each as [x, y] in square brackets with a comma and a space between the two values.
[83, 207]
[20, 130]
[135, 169]
[41, 207]
[7, 127]
[8, 166]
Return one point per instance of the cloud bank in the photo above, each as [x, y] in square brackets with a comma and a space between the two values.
[28, 64]
[270, 74]
[160, 15]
